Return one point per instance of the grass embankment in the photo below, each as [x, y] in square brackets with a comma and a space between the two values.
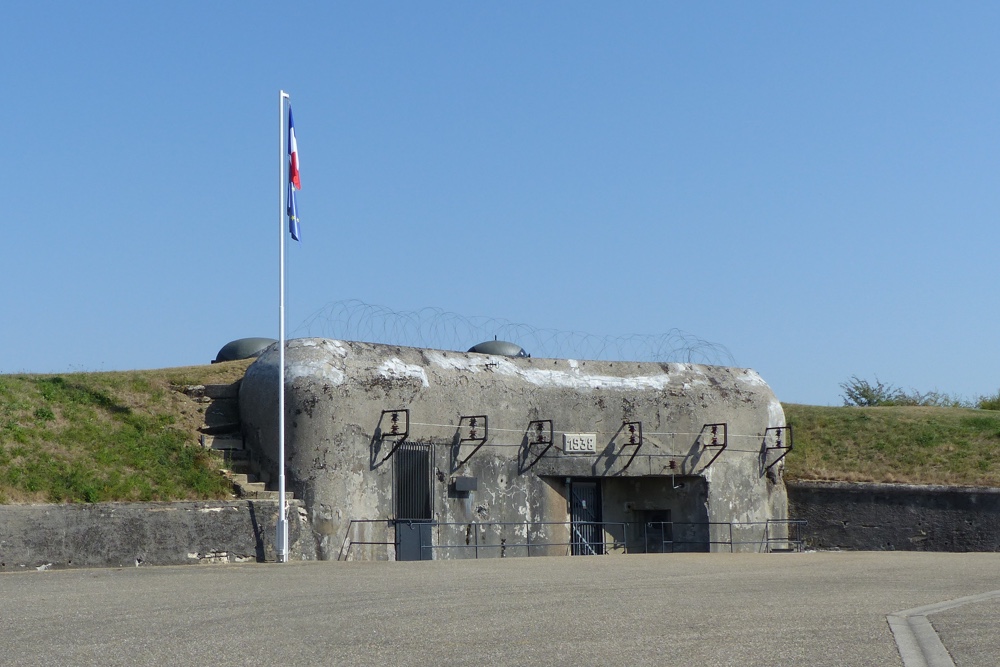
[91, 437]
[901, 444]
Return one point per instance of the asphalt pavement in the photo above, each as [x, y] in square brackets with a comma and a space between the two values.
[681, 609]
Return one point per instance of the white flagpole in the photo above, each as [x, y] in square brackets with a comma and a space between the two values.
[281, 536]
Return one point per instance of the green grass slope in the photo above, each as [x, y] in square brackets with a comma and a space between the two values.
[91, 437]
[901, 444]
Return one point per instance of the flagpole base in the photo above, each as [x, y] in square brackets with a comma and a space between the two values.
[281, 540]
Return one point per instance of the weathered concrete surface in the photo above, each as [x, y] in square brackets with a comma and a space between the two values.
[716, 610]
[138, 534]
[338, 439]
[872, 517]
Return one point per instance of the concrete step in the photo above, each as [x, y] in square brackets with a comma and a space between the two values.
[222, 390]
[269, 495]
[238, 457]
[222, 412]
[252, 487]
[239, 462]
[222, 442]
[244, 480]
[228, 428]
[241, 465]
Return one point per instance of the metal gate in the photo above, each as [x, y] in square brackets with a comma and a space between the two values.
[412, 493]
[587, 534]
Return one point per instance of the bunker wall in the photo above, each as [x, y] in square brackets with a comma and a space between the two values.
[645, 421]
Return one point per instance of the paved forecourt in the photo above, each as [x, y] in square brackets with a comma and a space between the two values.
[682, 609]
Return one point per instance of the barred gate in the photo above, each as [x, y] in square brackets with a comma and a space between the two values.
[412, 486]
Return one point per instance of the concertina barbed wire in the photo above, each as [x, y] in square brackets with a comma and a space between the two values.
[429, 327]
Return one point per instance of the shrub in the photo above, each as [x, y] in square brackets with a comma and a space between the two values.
[863, 393]
[989, 402]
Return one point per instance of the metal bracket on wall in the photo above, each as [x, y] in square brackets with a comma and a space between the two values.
[539, 432]
[778, 432]
[714, 436]
[397, 428]
[633, 433]
[478, 431]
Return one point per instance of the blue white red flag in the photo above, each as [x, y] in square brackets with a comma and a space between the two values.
[293, 213]
[293, 154]
[293, 179]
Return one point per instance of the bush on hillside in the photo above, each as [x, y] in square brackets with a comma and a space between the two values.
[862, 393]
[865, 394]
[989, 402]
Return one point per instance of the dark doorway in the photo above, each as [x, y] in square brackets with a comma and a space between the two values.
[412, 492]
[657, 531]
[586, 531]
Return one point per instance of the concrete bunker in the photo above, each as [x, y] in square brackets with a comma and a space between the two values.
[407, 453]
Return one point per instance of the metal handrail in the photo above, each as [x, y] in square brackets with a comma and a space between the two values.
[797, 542]
[345, 549]
[608, 545]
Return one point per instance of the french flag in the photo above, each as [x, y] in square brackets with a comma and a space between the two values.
[293, 179]
[293, 154]
[293, 213]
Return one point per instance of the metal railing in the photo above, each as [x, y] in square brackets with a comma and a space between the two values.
[505, 546]
[493, 539]
[720, 533]
[792, 538]
[345, 549]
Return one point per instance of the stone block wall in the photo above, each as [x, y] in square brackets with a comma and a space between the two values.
[141, 534]
[885, 517]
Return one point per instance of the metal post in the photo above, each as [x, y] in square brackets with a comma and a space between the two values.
[281, 534]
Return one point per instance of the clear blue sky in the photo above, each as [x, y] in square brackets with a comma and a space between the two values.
[812, 185]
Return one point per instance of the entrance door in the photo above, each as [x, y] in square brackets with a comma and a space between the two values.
[657, 531]
[586, 532]
[412, 492]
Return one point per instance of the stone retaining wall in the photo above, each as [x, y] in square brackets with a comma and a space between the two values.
[885, 517]
[138, 534]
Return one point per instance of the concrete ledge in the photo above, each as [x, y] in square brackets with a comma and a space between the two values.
[138, 534]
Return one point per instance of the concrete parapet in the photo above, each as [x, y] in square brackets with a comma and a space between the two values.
[138, 534]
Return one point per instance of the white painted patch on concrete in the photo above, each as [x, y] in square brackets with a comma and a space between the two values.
[396, 368]
[544, 378]
[555, 378]
[775, 414]
[334, 347]
[314, 369]
[210, 509]
[337, 348]
[457, 362]
[752, 378]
